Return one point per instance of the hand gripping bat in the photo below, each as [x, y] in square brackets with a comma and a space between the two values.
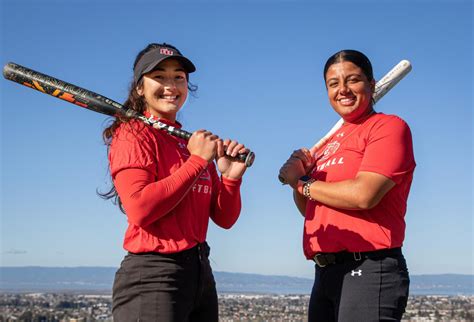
[91, 101]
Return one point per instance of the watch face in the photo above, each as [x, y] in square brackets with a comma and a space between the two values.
[305, 178]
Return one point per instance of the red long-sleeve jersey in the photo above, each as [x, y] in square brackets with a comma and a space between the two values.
[167, 193]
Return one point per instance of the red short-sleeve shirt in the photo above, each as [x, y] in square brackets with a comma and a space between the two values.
[381, 144]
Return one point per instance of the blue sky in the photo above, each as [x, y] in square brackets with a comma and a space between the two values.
[259, 72]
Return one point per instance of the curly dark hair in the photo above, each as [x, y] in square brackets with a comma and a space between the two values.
[137, 103]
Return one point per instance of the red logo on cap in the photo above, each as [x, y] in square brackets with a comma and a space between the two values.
[166, 51]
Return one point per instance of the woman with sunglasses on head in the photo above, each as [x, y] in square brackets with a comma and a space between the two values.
[353, 194]
[168, 189]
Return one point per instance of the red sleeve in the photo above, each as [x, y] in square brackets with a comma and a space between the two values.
[133, 146]
[146, 200]
[133, 168]
[226, 202]
[389, 149]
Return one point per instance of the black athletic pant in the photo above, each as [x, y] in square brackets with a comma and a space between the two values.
[366, 290]
[152, 287]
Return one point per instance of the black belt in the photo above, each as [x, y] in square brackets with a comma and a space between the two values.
[201, 249]
[325, 259]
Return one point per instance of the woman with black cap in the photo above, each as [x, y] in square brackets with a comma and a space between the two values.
[168, 188]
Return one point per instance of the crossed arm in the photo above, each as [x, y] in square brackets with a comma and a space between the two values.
[363, 192]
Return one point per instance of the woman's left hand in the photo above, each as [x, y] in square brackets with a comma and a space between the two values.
[299, 164]
[227, 163]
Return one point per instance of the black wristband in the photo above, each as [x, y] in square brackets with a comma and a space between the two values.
[305, 178]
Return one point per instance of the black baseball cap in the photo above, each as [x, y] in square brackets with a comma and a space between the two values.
[155, 56]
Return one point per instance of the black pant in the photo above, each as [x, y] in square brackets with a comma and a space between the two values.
[365, 290]
[165, 287]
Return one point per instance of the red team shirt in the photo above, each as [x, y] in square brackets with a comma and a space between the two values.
[168, 194]
[381, 144]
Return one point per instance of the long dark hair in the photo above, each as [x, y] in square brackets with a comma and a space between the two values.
[137, 103]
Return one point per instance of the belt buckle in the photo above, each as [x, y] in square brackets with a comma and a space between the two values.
[357, 256]
[316, 260]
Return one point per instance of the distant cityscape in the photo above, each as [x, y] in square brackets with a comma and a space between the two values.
[59, 294]
[63, 279]
[73, 307]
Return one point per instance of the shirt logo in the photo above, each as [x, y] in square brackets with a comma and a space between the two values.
[202, 188]
[328, 163]
[166, 51]
[330, 150]
[205, 175]
[358, 273]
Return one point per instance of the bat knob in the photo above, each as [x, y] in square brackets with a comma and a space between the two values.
[249, 159]
[282, 180]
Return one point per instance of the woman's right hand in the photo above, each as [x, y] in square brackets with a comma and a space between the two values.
[300, 163]
[203, 144]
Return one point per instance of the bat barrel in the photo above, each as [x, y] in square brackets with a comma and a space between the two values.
[62, 90]
[89, 100]
[391, 79]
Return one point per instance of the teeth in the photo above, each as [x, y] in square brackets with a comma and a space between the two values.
[167, 97]
[346, 100]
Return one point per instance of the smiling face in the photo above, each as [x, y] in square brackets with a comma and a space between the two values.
[165, 89]
[349, 90]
